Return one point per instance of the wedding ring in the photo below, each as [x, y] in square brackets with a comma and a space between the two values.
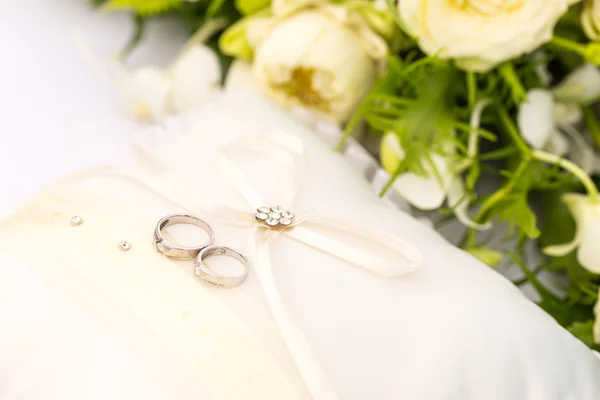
[171, 249]
[211, 277]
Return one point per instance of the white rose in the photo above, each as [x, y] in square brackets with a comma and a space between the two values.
[480, 34]
[590, 19]
[323, 58]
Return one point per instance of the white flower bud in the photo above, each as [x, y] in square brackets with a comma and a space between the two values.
[151, 94]
[586, 213]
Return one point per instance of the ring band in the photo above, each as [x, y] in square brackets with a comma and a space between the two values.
[211, 277]
[171, 249]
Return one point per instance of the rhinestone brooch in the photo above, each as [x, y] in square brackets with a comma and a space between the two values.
[274, 216]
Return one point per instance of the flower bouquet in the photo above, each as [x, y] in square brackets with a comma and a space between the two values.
[483, 111]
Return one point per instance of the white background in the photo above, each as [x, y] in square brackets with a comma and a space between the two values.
[58, 113]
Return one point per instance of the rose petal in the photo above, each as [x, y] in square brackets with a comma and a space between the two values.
[588, 221]
[195, 77]
[239, 77]
[567, 113]
[582, 153]
[314, 61]
[425, 193]
[580, 86]
[558, 144]
[145, 93]
[535, 117]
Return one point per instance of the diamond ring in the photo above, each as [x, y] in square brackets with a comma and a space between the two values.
[204, 272]
[171, 249]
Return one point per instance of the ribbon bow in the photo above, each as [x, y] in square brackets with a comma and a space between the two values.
[289, 151]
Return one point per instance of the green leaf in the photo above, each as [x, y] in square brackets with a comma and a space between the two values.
[214, 7]
[142, 7]
[558, 225]
[592, 53]
[515, 210]
[583, 331]
[393, 10]
[251, 6]
[565, 313]
[489, 256]
[508, 73]
[234, 42]
[413, 103]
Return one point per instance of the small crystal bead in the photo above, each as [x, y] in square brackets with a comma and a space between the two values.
[124, 245]
[287, 214]
[76, 220]
[272, 222]
[274, 215]
[264, 210]
[285, 221]
[277, 209]
[262, 216]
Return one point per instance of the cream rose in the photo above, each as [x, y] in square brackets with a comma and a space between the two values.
[313, 54]
[590, 19]
[479, 34]
[313, 60]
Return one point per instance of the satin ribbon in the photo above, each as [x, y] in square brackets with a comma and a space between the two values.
[401, 257]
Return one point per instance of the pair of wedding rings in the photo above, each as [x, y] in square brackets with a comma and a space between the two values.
[199, 253]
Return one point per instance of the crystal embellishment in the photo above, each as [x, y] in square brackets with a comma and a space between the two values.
[124, 245]
[272, 222]
[274, 216]
[285, 221]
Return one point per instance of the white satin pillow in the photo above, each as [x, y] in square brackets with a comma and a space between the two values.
[452, 330]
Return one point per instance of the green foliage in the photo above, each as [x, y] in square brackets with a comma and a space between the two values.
[412, 100]
[234, 42]
[142, 7]
[515, 210]
[486, 255]
[247, 7]
[583, 331]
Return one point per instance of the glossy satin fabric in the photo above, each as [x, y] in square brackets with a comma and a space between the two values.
[452, 329]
